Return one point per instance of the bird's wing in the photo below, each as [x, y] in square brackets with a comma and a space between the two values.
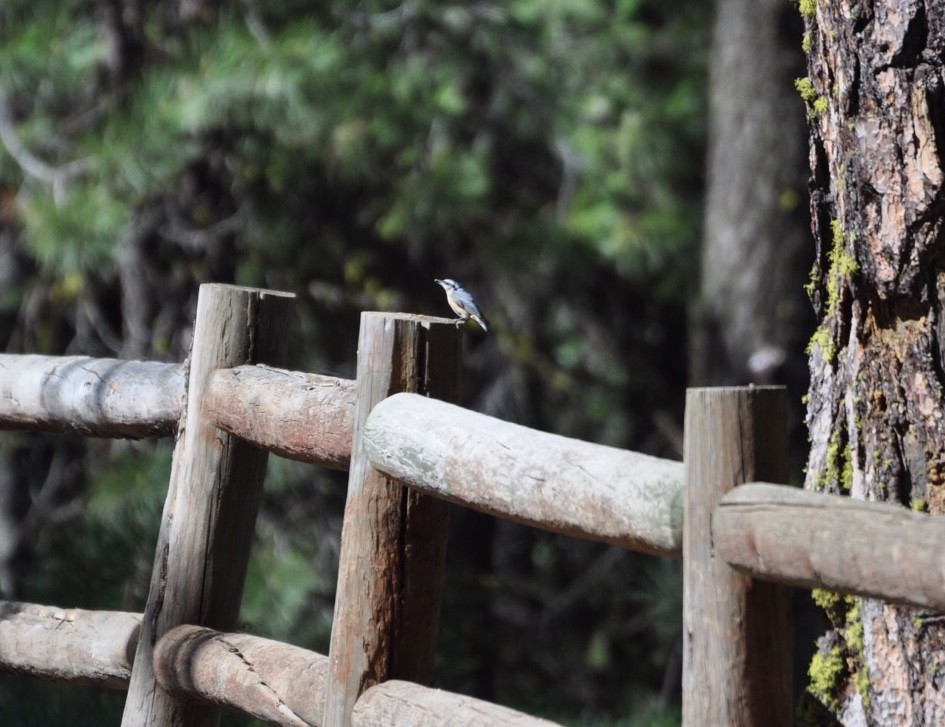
[467, 301]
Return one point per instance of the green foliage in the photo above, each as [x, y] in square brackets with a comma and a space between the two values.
[309, 90]
[103, 558]
[76, 235]
[287, 595]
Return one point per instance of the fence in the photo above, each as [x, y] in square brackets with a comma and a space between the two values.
[741, 544]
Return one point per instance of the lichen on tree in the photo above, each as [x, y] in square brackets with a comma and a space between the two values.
[875, 415]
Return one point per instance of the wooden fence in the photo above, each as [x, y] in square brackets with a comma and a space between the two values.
[408, 451]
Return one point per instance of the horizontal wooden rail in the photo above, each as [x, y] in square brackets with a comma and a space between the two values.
[405, 703]
[68, 644]
[300, 416]
[267, 679]
[616, 496]
[270, 680]
[545, 480]
[96, 397]
[813, 540]
[305, 417]
[286, 685]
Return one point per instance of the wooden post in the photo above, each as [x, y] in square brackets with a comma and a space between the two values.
[393, 540]
[737, 632]
[212, 500]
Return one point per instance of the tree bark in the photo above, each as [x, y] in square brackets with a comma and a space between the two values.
[876, 103]
[305, 417]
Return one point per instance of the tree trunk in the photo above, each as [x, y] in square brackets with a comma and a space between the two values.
[751, 319]
[876, 103]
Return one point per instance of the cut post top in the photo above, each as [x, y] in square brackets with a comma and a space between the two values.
[248, 289]
[421, 318]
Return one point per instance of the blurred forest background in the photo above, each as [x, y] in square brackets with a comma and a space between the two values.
[549, 154]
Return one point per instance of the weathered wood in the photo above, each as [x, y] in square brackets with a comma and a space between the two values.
[285, 685]
[305, 417]
[397, 703]
[272, 681]
[269, 680]
[210, 510]
[737, 633]
[544, 480]
[815, 540]
[68, 644]
[393, 542]
[301, 416]
[95, 397]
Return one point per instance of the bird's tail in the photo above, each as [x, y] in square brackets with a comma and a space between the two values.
[483, 324]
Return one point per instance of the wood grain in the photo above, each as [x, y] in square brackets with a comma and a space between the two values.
[815, 540]
[68, 644]
[305, 417]
[545, 480]
[94, 397]
[393, 542]
[212, 500]
[737, 632]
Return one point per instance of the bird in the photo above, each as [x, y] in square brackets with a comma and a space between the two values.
[462, 303]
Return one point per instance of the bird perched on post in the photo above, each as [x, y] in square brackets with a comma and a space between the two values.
[462, 303]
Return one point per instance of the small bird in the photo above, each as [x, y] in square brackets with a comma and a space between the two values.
[462, 303]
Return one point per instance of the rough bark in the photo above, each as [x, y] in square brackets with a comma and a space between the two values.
[393, 540]
[301, 416]
[213, 497]
[404, 703]
[272, 681]
[876, 100]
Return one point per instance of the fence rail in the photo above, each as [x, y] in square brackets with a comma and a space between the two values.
[551, 482]
[230, 396]
[266, 679]
[68, 644]
[813, 540]
[305, 417]
[94, 397]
